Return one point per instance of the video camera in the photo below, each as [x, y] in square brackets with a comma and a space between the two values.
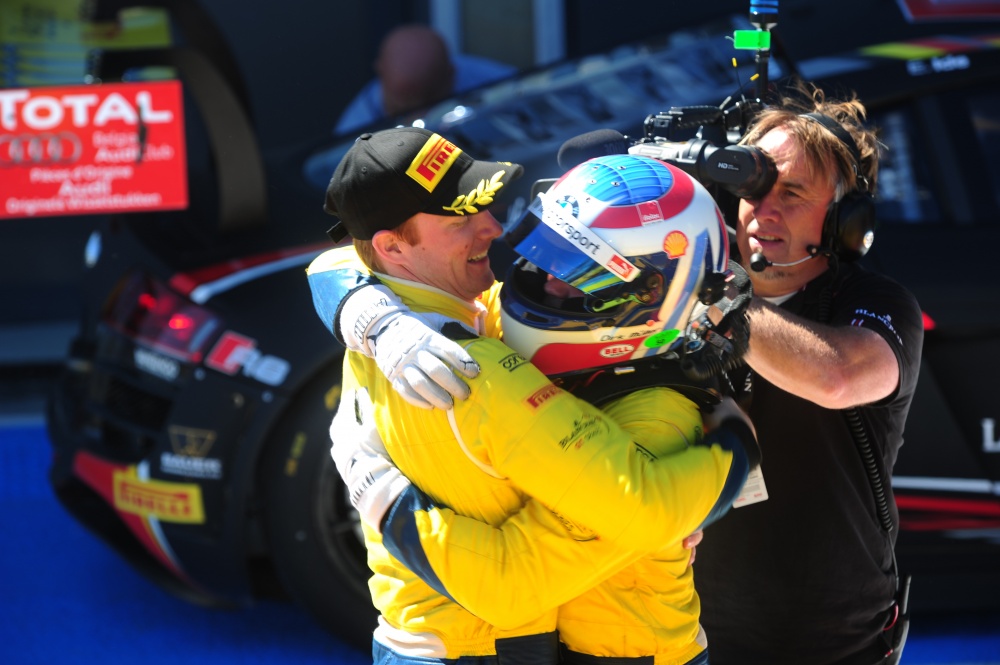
[703, 140]
[711, 156]
[729, 172]
[709, 153]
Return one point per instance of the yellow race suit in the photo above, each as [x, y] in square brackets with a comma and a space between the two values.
[647, 608]
[536, 507]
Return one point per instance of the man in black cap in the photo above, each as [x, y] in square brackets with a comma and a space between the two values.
[418, 209]
[406, 180]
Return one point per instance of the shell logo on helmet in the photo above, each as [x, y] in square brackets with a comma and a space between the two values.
[675, 244]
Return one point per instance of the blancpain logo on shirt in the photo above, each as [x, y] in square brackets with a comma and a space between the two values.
[884, 319]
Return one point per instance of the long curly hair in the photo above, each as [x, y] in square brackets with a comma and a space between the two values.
[824, 151]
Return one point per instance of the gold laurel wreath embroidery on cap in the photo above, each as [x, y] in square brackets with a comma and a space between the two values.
[480, 196]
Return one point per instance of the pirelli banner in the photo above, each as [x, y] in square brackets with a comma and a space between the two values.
[87, 149]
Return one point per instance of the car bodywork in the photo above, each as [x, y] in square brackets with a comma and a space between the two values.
[190, 424]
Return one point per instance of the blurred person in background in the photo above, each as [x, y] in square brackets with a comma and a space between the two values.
[414, 70]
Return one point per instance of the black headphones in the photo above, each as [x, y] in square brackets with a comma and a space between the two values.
[849, 227]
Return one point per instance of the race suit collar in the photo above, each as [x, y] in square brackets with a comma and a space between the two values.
[424, 298]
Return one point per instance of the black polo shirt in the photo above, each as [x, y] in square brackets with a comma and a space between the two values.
[806, 577]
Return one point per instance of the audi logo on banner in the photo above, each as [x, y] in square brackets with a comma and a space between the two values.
[39, 149]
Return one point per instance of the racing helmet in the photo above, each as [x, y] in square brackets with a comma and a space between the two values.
[636, 238]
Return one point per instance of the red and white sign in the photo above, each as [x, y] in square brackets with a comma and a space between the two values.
[87, 149]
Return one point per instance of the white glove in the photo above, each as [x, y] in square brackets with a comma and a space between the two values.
[373, 482]
[417, 359]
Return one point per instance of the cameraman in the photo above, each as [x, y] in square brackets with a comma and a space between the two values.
[808, 576]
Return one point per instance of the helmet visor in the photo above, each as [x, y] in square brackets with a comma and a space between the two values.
[552, 238]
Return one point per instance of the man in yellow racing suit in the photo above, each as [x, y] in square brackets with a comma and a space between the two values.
[552, 472]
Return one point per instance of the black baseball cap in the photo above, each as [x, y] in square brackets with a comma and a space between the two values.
[391, 175]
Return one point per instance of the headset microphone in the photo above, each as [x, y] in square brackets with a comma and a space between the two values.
[758, 262]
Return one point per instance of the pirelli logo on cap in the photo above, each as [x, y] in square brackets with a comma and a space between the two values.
[433, 161]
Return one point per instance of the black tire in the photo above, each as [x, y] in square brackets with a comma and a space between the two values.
[313, 531]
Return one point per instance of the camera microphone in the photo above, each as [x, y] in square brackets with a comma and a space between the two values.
[597, 143]
[758, 262]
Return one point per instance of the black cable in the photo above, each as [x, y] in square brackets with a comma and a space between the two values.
[857, 429]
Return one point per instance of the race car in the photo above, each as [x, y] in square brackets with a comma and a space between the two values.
[190, 423]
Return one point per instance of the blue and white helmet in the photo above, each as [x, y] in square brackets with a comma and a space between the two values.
[637, 237]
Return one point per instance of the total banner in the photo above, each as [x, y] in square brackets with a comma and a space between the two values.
[89, 149]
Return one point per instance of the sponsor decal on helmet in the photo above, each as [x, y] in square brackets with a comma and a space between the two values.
[567, 209]
[617, 350]
[558, 217]
[649, 212]
[621, 267]
[675, 244]
[662, 338]
[570, 204]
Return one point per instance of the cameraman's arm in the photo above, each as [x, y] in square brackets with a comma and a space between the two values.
[835, 367]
